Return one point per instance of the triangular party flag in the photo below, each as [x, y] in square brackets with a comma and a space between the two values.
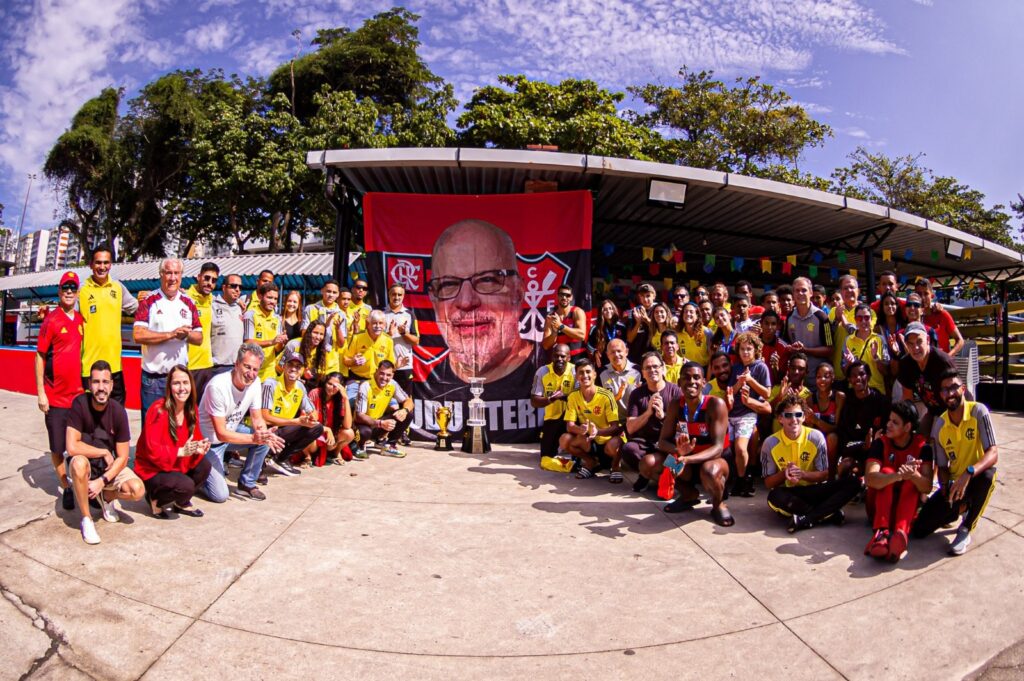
[648, 252]
[637, 279]
[812, 270]
[968, 253]
[666, 254]
[678, 256]
[654, 268]
[841, 257]
[886, 255]
[680, 267]
[982, 286]
[945, 284]
[609, 278]
[833, 273]
[935, 256]
[693, 285]
[709, 259]
[668, 283]
[970, 285]
[908, 254]
[708, 267]
[817, 257]
[787, 267]
[904, 279]
[791, 259]
[853, 272]
[766, 266]
[608, 249]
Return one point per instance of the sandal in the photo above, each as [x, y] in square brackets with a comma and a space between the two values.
[722, 517]
[157, 511]
[583, 473]
[338, 461]
[615, 477]
[190, 511]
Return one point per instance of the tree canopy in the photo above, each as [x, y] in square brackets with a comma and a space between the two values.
[204, 157]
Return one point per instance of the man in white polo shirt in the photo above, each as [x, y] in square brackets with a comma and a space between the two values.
[166, 322]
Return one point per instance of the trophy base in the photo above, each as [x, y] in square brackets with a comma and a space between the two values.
[444, 443]
[475, 440]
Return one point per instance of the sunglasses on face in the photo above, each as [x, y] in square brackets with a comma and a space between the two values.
[913, 304]
[209, 277]
[68, 287]
[359, 288]
[792, 414]
[232, 286]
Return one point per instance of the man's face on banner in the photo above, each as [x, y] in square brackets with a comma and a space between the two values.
[477, 296]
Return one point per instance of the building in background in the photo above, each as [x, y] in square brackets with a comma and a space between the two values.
[32, 251]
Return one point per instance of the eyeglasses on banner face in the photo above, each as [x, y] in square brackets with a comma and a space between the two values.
[485, 283]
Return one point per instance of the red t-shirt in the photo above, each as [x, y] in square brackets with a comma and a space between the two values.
[944, 327]
[156, 452]
[60, 344]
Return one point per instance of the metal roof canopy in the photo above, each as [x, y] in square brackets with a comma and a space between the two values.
[292, 271]
[724, 214]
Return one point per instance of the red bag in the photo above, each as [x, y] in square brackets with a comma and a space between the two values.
[667, 484]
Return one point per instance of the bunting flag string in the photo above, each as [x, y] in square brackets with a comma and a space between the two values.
[833, 273]
[812, 270]
[853, 272]
[817, 257]
[648, 252]
[737, 264]
[841, 257]
[668, 283]
[791, 259]
[935, 256]
[908, 254]
[680, 266]
[766, 266]
[968, 253]
[666, 254]
[787, 267]
[886, 255]
[654, 268]
[678, 256]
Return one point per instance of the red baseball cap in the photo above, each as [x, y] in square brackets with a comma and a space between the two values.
[69, 276]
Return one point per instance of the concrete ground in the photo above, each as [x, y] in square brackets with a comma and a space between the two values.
[449, 566]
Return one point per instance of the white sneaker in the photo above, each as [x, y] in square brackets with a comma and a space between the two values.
[89, 533]
[110, 509]
[961, 541]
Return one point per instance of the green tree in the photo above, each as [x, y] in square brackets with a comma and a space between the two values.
[574, 115]
[751, 128]
[378, 60]
[905, 184]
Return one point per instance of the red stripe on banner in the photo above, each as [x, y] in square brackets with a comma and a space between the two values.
[410, 223]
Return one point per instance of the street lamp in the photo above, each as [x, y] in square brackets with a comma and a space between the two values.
[21, 220]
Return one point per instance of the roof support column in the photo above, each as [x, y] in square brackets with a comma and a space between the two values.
[338, 196]
[869, 272]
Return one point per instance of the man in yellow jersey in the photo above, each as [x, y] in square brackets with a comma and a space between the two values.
[844, 325]
[286, 406]
[670, 355]
[265, 277]
[966, 455]
[592, 422]
[382, 413]
[358, 310]
[794, 463]
[263, 327]
[366, 351]
[552, 385]
[335, 320]
[718, 377]
[200, 357]
[102, 302]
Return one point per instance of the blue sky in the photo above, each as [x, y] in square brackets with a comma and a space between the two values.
[899, 76]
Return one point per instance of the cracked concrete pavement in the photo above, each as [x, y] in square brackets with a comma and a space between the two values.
[450, 566]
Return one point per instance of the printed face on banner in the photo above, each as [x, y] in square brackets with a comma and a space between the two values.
[480, 273]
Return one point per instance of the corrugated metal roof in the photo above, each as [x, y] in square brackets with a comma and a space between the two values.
[292, 270]
[725, 214]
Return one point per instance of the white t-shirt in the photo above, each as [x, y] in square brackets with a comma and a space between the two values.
[160, 313]
[223, 399]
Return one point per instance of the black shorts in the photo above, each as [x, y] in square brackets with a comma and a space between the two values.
[117, 393]
[550, 433]
[57, 429]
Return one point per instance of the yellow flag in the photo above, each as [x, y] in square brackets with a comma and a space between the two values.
[681, 266]
[766, 266]
[886, 255]
[853, 273]
[694, 285]
[668, 283]
[648, 252]
[791, 259]
[968, 253]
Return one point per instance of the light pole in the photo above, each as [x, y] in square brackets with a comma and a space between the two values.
[21, 220]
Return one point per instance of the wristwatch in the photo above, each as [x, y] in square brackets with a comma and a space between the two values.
[561, 328]
[970, 471]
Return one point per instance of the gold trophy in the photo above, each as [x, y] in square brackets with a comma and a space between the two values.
[443, 415]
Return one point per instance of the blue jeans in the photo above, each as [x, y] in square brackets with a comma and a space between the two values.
[153, 389]
[216, 486]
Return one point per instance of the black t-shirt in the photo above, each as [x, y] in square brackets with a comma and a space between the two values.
[102, 429]
[925, 384]
[638, 401]
[858, 415]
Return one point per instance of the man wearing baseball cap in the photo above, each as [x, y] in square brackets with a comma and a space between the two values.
[286, 406]
[58, 373]
[637, 319]
[920, 372]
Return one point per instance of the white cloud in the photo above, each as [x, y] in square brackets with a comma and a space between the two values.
[811, 107]
[215, 36]
[259, 58]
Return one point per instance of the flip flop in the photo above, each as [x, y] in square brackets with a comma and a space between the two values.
[615, 478]
[680, 505]
[190, 511]
[583, 473]
[722, 517]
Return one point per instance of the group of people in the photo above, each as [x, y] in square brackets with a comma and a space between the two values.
[829, 399]
[226, 382]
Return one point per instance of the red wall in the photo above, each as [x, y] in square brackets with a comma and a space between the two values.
[18, 373]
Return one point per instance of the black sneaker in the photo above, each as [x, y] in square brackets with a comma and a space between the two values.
[799, 522]
[251, 492]
[67, 500]
[838, 518]
[287, 465]
[641, 483]
[404, 440]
